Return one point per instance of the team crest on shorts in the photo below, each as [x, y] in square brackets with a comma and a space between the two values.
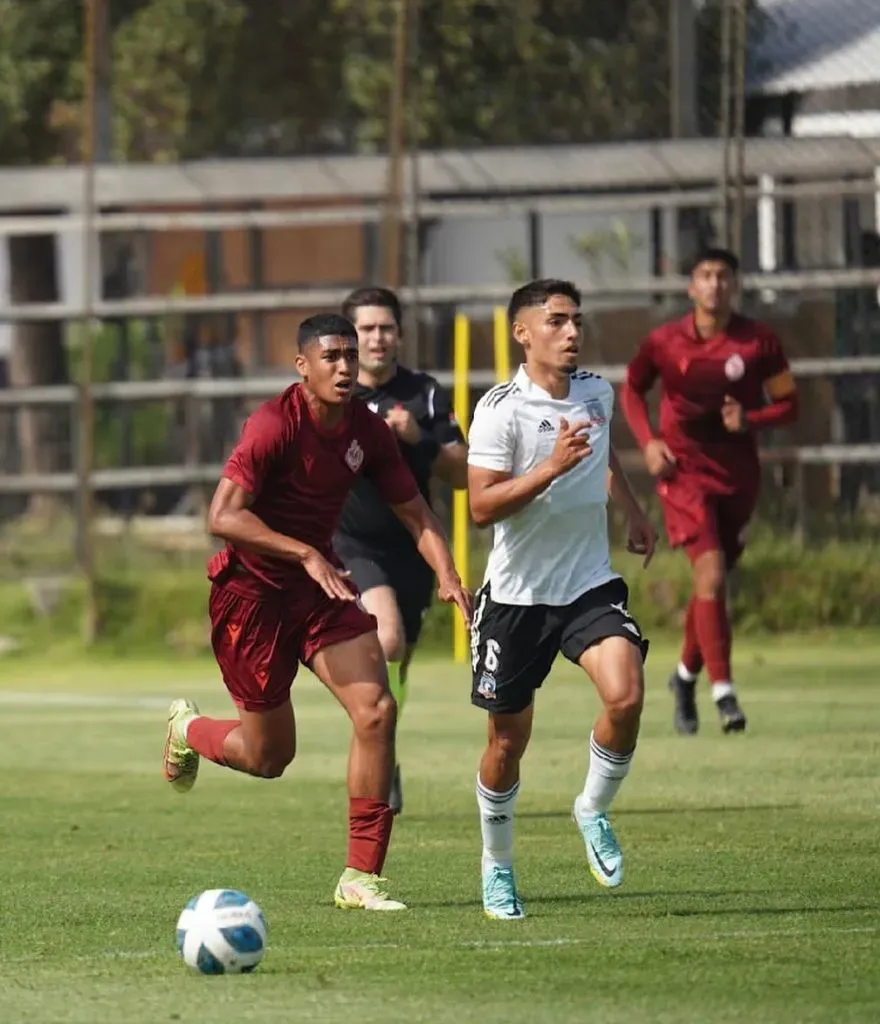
[486, 687]
[734, 368]
[354, 457]
[595, 411]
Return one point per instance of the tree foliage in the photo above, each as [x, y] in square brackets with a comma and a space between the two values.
[208, 78]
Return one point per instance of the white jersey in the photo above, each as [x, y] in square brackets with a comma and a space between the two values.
[556, 548]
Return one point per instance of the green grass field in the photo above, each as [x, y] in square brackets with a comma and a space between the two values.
[752, 890]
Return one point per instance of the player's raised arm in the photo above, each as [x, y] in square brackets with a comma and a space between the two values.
[230, 517]
[782, 404]
[494, 493]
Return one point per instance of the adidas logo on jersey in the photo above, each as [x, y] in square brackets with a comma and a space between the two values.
[545, 427]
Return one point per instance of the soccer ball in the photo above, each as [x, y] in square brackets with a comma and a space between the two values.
[221, 931]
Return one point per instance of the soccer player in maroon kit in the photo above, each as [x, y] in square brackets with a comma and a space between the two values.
[280, 596]
[723, 377]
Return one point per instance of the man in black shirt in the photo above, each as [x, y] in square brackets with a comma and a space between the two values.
[395, 582]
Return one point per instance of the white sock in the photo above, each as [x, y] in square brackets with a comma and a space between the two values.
[605, 773]
[721, 690]
[683, 672]
[496, 823]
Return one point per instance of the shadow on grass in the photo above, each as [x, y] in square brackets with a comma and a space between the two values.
[629, 812]
[565, 813]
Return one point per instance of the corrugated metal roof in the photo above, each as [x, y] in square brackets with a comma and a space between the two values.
[816, 44]
[456, 173]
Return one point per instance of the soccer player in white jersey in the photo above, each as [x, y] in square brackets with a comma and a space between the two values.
[538, 473]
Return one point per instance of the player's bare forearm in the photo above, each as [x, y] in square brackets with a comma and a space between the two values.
[635, 412]
[428, 534]
[230, 519]
[619, 487]
[451, 465]
[494, 495]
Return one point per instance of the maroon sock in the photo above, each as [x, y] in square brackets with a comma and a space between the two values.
[207, 735]
[369, 831]
[691, 657]
[713, 633]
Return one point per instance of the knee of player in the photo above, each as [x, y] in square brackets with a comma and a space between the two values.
[508, 746]
[710, 577]
[377, 718]
[272, 765]
[392, 641]
[624, 702]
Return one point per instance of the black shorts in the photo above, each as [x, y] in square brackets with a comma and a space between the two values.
[399, 567]
[513, 647]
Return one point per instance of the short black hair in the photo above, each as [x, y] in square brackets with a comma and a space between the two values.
[715, 254]
[373, 296]
[324, 325]
[536, 293]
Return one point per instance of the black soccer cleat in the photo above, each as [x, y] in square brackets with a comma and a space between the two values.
[732, 717]
[395, 799]
[686, 719]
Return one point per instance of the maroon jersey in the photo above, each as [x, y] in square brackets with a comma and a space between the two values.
[745, 362]
[300, 474]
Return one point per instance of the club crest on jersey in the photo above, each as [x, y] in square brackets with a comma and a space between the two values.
[373, 406]
[595, 411]
[735, 367]
[354, 457]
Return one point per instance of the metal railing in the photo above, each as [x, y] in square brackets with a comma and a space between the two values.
[194, 391]
[320, 298]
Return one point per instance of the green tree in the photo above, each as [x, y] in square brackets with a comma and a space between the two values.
[516, 71]
[212, 78]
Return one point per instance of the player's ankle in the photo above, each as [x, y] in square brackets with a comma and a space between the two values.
[722, 689]
[685, 674]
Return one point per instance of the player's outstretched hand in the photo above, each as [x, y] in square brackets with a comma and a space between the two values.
[641, 536]
[452, 592]
[331, 580]
[572, 446]
[659, 459]
[733, 415]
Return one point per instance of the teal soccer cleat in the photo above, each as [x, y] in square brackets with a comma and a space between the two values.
[500, 899]
[603, 852]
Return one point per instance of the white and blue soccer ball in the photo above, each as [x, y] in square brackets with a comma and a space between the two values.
[221, 931]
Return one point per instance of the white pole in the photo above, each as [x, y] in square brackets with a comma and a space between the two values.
[877, 210]
[767, 230]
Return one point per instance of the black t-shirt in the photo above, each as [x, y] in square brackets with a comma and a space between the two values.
[365, 517]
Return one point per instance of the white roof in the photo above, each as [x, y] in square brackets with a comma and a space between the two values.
[816, 44]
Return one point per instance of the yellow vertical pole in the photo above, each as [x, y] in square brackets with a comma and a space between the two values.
[502, 346]
[461, 358]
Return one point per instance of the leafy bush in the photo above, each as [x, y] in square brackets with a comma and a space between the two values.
[780, 588]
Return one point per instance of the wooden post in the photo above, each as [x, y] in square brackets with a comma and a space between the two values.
[94, 24]
[396, 128]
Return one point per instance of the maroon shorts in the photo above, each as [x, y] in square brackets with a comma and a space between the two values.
[259, 640]
[700, 521]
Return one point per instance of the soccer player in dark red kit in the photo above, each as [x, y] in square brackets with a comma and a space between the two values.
[724, 378]
[280, 596]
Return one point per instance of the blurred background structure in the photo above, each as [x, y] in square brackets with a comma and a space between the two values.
[182, 182]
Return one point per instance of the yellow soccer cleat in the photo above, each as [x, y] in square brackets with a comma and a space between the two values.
[180, 762]
[358, 890]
